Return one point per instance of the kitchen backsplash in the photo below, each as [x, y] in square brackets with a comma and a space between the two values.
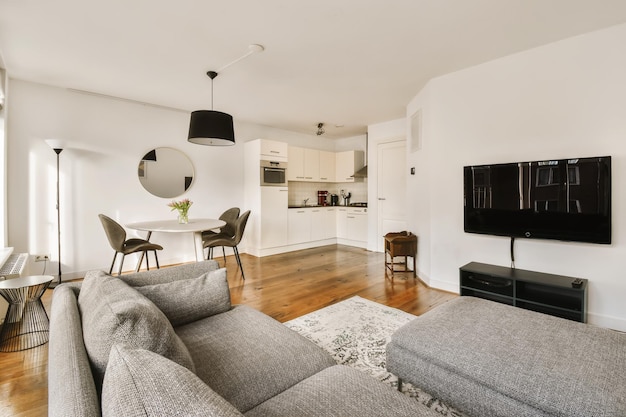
[298, 191]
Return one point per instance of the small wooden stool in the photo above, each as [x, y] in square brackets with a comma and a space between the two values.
[400, 244]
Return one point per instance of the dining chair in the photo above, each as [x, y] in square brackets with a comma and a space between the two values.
[229, 216]
[221, 239]
[117, 238]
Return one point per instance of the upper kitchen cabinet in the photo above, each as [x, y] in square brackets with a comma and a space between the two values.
[348, 163]
[272, 150]
[304, 164]
[295, 170]
[327, 166]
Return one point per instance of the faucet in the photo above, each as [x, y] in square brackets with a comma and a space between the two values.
[305, 201]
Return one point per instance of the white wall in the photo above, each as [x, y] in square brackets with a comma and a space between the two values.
[566, 99]
[105, 139]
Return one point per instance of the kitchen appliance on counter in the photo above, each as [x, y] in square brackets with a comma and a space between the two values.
[346, 197]
[322, 198]
[334, 200]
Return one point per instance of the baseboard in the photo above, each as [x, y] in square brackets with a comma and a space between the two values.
[609, 322]
[438, 285]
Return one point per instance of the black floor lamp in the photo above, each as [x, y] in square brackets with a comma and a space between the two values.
[57, 147]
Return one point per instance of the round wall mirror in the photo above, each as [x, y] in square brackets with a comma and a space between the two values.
[165, 172]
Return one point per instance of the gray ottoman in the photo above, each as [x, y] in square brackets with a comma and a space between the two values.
[491, 359]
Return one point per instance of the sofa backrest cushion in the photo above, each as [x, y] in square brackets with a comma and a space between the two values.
[112, 311]
[141, 383]
[191, 299]
[169, 274]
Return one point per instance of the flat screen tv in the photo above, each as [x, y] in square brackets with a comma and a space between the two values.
[563, 199]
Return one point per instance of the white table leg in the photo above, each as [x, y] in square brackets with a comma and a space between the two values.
[197, 241]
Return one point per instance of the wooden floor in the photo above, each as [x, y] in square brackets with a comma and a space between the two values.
[283, 286]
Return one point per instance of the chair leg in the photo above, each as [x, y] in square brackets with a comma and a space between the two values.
[113, 263]
[239, 262]
[224, 254]
[119, 272]
[156, 259]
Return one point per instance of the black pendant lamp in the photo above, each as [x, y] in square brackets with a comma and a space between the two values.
[211, 127]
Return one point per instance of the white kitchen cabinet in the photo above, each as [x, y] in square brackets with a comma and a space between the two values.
[327, 162]
[299, 226]
[304, 164]
[342, 218]
[311, 164]
[295, 164]
[274, 209]
[347, 163]
[323, 223]
[273, 150]
[356, 225]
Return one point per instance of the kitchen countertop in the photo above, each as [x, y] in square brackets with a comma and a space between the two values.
[316, 206]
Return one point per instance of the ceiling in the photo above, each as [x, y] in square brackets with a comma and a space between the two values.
[347, 62]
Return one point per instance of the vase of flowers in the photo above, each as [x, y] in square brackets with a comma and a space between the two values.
[183, 209]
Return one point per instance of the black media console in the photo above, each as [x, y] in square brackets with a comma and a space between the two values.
[557, 295]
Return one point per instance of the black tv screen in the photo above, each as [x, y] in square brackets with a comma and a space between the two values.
[564, 199]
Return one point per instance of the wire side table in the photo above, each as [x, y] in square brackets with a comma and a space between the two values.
[26, 323]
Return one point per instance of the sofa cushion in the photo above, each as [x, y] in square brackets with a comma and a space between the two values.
[169, 274]
[487, 358]
[247, 357]
[141, 383]
[341, 391]
[114, 312]
[191, 299]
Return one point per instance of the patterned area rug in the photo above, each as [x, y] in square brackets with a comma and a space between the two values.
[355, 332]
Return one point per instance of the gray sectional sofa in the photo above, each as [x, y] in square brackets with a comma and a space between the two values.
[491, 359]
[168, 342]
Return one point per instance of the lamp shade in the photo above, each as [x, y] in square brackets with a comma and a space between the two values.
[210, 127]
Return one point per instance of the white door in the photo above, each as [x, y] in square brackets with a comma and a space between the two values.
[391, 189]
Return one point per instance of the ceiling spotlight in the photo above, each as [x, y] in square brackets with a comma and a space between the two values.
[320, 129]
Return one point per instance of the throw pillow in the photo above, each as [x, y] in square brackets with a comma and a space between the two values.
[191, 299]
[141, 383]
[113, 312]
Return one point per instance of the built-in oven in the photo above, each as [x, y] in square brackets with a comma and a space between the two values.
[274, 173]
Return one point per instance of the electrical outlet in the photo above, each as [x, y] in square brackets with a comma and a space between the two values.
[42, 258]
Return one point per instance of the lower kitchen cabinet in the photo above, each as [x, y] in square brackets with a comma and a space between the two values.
[273, 230]
[352, 225]
[323, 223]
[356, 225]
[299, 221]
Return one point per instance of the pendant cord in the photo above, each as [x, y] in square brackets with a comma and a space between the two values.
[212, 75]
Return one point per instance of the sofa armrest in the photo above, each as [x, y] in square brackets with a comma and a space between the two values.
[71, 388]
